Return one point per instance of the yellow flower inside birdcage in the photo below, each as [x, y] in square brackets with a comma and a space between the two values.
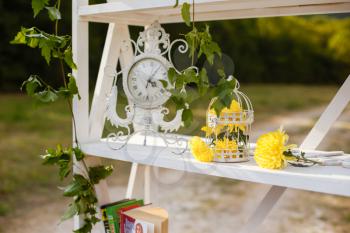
[228, 131]
[234, 113]
[225, 147]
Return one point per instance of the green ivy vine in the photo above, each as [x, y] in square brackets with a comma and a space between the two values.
[200, 44]
[59, 47]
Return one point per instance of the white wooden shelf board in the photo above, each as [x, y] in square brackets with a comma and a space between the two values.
[142, 12]
[325, 179]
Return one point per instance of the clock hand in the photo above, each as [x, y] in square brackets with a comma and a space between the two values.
[154, 72]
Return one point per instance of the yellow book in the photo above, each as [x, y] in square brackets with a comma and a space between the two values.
[155, 216]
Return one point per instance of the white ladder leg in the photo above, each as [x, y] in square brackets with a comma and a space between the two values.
[132, 179]
[313, 139]
[147, 186]
[328, 117]
[80, 48]
[264, 208]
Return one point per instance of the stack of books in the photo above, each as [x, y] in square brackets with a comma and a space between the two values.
[132, 216]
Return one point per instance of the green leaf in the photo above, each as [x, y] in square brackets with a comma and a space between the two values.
[46, 48]
[38, 5]
[46, 96]
[99, 172]
[61, 158]
[20, 38]
[68, 58]
[203, 84]
[73, 189]
[186, 14]
[187, 117]
[218, 106]
[179, 102]
[86, 228]
[79, 155]
[164, 83]
[54, 13]
[172, 75]
[207, 46]
[27, 36]
[31, 85]
[221, 73]
[191, 96]
[64, 168]
[192, 39]
[78, 185]
[72, 86]
[50, 45]
[190, 76]
[94, 220]
[179, 83]
[70, 212]
[176, 3]
[179, 94]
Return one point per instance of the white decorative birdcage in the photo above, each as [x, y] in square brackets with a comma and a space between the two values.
[228, 134]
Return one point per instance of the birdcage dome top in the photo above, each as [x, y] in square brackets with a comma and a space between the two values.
[240, 110]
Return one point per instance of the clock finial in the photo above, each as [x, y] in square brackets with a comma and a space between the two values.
[154, 39]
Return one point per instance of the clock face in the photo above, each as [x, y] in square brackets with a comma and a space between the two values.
[144, 85]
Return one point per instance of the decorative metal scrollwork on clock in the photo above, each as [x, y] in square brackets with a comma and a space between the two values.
[143, 84]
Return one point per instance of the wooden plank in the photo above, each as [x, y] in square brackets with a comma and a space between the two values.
[142, 18]
[137, 14]
[80, 48]
[330, 179]
[242, 5]
[131, 5]
[166, 6]
[264, 12]
[110, 56]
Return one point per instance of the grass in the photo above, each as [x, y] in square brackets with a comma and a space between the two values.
[26, 130]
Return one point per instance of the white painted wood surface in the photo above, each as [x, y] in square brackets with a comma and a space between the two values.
[331, 179]
[142, 12]
[112, 53]
[80, 49]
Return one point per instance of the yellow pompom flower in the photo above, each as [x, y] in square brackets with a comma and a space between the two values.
[269, 150]
[201, 150]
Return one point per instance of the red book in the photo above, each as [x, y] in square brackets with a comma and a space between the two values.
[124, 219]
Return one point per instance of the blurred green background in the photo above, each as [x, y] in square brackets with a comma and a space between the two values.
[273, 50]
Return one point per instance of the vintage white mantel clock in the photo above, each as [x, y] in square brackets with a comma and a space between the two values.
[143, 84]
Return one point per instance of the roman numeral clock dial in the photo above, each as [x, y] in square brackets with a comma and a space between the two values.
[144, 85]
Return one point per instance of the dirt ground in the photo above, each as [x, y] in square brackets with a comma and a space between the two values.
[203, 204]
